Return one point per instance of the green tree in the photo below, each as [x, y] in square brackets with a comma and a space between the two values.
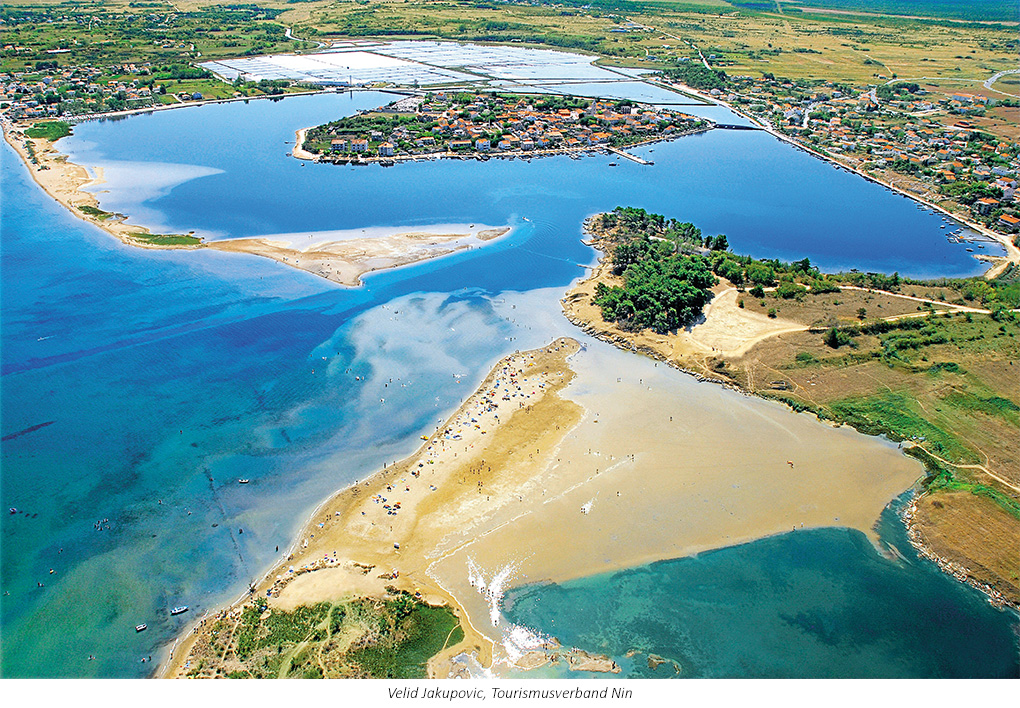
[761, 274]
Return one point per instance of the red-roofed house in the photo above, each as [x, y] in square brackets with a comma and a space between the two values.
[1009, 222]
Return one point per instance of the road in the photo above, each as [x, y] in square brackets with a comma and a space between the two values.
[984, 469]
[987, 83]
[692, 45]
[290, 35]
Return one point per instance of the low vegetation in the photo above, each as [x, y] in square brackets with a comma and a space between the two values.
[95, 212]
[167, 239]
[393, 637]
[51, 130]
[142, 237]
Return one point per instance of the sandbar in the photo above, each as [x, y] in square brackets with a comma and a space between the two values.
[572, 460]
[65, 182]
[382, 531]
[345, 261]
[342, 262]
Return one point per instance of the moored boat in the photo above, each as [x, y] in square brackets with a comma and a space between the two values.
[180, 609]
[141, 627]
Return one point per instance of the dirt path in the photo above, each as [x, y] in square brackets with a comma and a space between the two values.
[955, 307]
[984, 469]
[230, 639]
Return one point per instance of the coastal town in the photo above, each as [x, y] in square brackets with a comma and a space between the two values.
[461, 123]
[937, 147]
[942, 148]
[81, 92]
[54, 92]
[380, 438]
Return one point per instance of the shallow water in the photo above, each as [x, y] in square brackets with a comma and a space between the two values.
[817, 603]
[161, 378]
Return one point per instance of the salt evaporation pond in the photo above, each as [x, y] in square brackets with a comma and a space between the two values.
[150, 382]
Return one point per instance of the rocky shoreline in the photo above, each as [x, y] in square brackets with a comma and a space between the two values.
[958, 571]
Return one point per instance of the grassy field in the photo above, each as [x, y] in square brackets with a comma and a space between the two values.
[947, 384]
[52, 130]
[746, 38]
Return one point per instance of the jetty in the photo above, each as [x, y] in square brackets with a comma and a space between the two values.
[634, 158]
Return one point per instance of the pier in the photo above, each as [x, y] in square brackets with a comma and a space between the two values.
[730, 126]
[627, 155]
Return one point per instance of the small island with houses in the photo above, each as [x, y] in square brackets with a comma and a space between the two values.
[466, 124]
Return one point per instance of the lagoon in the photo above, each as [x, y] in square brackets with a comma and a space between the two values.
[164, 377]
[223, 172]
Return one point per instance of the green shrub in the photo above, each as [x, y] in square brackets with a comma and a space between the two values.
[50, 130]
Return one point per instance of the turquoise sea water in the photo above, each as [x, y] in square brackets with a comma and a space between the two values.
[818, 603]
[137, 387]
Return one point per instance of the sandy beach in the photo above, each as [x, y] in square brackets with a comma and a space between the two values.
[382, 531]
[65, 181]
[299, 147]
[569, 461]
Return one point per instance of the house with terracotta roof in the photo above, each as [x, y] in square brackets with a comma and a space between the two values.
[986, 206]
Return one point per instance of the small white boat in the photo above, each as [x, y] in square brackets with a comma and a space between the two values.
[243, 481]
[180, 609]
[141, 627]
